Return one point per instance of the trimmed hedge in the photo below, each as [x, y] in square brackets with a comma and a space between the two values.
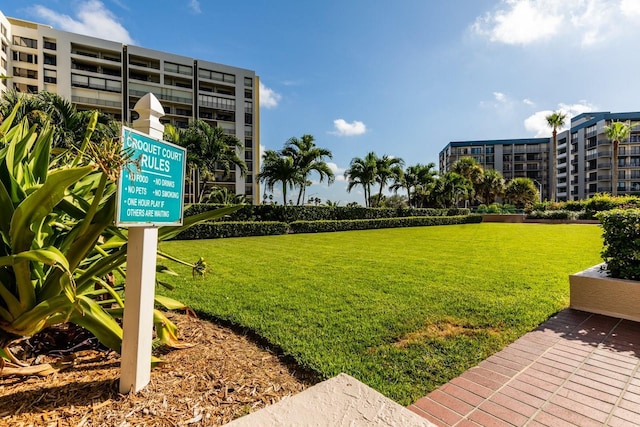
[217, 230]
[559, 214]
[588, 208]
[621, 242]
[290, 214]
[368, 224]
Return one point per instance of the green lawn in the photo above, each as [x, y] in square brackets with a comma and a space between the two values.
[403, 310]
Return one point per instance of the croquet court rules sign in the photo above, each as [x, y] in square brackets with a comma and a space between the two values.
[151, 186]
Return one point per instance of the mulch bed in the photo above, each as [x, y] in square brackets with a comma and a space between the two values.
[225, 375]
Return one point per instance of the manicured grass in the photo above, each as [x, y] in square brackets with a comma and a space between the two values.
[403, 310]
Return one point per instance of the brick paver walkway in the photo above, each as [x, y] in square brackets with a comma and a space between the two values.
[576, 369]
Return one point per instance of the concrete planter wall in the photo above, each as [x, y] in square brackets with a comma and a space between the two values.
[593, 291]
[511, 218]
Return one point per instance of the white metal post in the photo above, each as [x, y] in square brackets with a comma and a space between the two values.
[135, 366]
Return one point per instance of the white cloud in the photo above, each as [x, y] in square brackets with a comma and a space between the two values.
[92, 19]
[630, 8]
[269, 98]
[349, 129]
[500, 97]
[522, 22]
[338, 172]
[528, 102]
[194, 5]
[537, 122]
[500, 102]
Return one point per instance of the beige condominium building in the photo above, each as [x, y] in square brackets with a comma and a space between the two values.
[111, 77]
[584, 157]
[512, 157]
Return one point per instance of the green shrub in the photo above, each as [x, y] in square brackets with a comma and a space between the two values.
[494, 208]
[290, 214]
[621, 242]
[482, 208]
[216, 230]
[574, 205]
[605, 202]
[553, 214]
[363, 224]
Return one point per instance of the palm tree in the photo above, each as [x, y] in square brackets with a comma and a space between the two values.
[209, 149]
[362, 172]
[469, 168]
[491, 186]
[278, 168]
[222, 196]
[308, 158]
[521, 192]
[415, 177]
[69, 125]
[616, 132]
[449, 188]
[555, 121]
[387, 168]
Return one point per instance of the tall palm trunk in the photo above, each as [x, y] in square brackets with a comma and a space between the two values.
[553, 166]
[284, 193]
[614, 177]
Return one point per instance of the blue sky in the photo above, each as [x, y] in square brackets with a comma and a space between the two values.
[401, 78]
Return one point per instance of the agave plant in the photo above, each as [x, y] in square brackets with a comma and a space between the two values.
[58, 240]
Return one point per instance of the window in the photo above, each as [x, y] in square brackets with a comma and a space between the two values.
[216, 75]
[50, 59]
[50, 76]
[248, 82]
[78, 80]
[25, 57]
[25, 42]
[187, 70]
[476, 150]
[50, 44]
[217, 102]
[489, 150]
[21, 72]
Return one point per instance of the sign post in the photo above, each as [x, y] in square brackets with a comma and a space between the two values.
[150, 194]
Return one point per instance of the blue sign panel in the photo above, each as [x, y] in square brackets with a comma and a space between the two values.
[151, 188]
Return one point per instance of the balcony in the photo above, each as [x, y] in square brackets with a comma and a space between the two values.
[94, 101]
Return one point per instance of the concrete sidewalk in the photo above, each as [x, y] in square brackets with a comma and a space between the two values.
[340, 401]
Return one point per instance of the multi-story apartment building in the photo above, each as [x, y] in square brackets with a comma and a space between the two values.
[584, 157]
[512, 157]
[590, 156]
[111, 77]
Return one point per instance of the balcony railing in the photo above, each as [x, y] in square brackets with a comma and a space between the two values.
[94, 101]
